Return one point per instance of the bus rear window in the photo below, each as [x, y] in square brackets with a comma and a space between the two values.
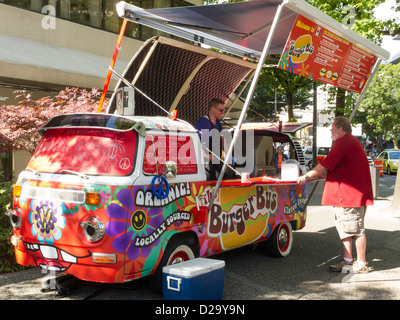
[86, 151]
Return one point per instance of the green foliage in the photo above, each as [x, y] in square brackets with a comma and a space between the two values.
[5, 200]
[363, 21]
[294, 90]
[381, 103]
[7, 257]
[342, 103]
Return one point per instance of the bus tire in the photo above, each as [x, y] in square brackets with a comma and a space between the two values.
[178, 250]
[280, 243]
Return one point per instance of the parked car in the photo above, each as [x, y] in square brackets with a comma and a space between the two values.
[390, 159]
[322, 152]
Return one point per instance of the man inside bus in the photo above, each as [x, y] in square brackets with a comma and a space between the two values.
[209, 127]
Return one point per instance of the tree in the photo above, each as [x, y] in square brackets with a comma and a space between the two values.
[382, 103]
[19, 123]
[382, 106]
[294, 89]
[359, 16]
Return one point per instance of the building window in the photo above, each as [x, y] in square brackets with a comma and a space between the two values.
[98, 13]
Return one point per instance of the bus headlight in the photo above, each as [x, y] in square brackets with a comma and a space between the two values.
[15, 216]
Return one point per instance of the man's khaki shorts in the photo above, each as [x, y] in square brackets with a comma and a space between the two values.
[350, 222]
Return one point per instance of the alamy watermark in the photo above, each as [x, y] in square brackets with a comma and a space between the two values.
[49, 21]
[350, 18]
[213, 148]
[49, 280]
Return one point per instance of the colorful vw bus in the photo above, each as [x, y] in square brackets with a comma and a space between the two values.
[115, 196]
[111, 198]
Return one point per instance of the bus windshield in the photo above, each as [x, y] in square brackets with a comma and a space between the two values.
[91, 151]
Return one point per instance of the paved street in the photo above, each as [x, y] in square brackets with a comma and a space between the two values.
[251, 275]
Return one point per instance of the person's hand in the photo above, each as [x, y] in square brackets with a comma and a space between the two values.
[302, 179]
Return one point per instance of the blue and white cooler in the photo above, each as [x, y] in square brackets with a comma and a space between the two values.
[198, 279]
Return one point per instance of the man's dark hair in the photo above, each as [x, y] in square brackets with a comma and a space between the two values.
[214, 103]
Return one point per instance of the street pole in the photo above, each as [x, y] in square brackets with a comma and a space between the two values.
[396, 195]
[276, 105]
[314, 157]
[247, 102]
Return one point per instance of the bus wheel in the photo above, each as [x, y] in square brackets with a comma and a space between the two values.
[177, 251]
[281, 240]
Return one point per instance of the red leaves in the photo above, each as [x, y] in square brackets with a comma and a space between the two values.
[19, 123]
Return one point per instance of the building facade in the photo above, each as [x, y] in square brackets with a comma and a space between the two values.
[47, 45]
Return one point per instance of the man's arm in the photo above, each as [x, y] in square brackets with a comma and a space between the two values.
[317, 172]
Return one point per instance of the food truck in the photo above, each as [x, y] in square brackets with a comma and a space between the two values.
[114, 196]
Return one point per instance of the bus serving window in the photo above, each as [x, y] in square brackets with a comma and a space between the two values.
[162, 148]
[86, 151]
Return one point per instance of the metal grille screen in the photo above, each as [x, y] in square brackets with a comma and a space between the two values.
[166, 71]
[216, 79]
[163, 77]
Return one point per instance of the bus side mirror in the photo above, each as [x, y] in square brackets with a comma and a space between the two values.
[170, 170]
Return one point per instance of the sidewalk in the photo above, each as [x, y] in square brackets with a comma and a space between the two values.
[383, 254]
[250, 275]
[382, 206]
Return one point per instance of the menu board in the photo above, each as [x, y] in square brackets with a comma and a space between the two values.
[317, 53]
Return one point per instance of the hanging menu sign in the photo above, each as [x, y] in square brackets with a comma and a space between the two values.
[317, 53]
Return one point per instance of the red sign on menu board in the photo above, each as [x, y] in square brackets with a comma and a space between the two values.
[317, 53]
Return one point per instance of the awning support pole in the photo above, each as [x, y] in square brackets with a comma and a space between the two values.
[247, 102]
[130, 85]
[114, 58]
[314, 127]
[239, 95]
[376, 67]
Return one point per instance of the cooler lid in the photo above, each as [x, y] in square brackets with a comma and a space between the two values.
[193, 268]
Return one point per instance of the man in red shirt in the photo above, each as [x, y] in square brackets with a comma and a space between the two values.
[348, 188]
